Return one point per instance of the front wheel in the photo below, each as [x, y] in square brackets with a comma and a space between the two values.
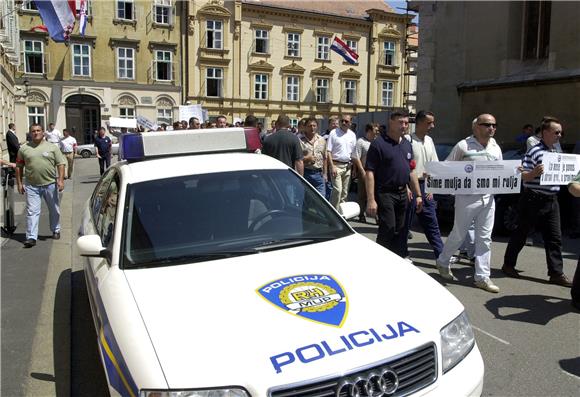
[86, 154]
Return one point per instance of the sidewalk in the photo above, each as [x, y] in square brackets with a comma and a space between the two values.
[35, 292]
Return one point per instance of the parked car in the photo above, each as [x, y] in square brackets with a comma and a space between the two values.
[89, 150]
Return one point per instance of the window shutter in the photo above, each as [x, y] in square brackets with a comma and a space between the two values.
[172, 14]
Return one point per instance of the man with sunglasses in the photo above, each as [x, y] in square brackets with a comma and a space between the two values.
[476, 209]
[341, 150]
[539, 205]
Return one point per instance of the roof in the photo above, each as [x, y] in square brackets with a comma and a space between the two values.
[346, 8]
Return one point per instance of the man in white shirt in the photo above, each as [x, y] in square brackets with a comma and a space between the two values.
[341, 150]
[68, 147]
[423, 151]
[362, 148]
[478, 208]
[52, 134]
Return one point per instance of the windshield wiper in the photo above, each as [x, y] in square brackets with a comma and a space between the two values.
[193, 258]
[289, 242]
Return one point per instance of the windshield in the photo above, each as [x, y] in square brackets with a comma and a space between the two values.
[212, 216]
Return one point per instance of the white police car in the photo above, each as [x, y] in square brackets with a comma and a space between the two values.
[224, 274]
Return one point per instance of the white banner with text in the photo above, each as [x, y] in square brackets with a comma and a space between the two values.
[473, 177]
[559, 168]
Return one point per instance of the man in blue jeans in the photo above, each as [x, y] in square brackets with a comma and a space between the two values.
[423, 152]
[38, 161]
[103, 144]
[314, 150]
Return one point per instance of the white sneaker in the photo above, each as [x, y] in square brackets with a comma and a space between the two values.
[445, 272]
[488, 285]
[408, 259]
[454, 259]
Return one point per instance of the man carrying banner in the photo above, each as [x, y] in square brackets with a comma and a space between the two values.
[574, 189]
[539, 205]
[478, 208]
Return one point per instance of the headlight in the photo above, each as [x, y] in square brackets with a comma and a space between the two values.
[233, 392]
[457, 340]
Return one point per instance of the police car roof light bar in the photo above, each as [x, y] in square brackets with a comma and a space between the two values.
[141, 146]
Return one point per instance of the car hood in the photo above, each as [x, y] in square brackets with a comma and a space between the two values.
[221, 323]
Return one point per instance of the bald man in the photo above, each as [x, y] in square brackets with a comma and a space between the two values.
[474, 208]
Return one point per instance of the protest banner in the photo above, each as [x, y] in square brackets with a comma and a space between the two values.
[117, 122]
[559, 168]
[473, 177]
[146, 123]
[188, 111]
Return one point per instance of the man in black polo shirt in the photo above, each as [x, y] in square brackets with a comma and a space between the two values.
[103, 144]
[388, 172]
[284, 145]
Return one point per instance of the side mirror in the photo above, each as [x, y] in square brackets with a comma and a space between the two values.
[349, 210]
[90, 245]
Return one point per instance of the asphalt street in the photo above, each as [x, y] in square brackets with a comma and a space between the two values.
[528, 334]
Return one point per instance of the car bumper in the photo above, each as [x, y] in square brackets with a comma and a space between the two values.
[465, 379]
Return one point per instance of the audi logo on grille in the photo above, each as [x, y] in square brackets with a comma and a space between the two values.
[373, 384]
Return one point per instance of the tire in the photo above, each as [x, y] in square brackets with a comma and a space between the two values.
[86, 154]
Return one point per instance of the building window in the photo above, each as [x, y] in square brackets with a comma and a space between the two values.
[36, 115]
[261, 44]
[537, 29]
[163, 66]
[213, 82]
[261, 86]
[29, 5]
[127, 113]
[126, 63]
[81, 60]
[294, 123]
[292, 88]
[323, 48]
[353, 45]
[33, 55]
[293, 44]
[389, 53]
[350, 92]
[322, 90]
[125, 9]
[388, 88]
[162, 12]
[164, 116]
[214, 34]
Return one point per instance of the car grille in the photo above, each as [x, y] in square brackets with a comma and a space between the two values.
[415, 369]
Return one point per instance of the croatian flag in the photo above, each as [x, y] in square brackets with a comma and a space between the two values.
[340, 46]
[58, 16]
[83, 17]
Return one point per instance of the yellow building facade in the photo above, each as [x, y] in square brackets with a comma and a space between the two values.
[9, 61]
[128, 63]
[271, 57]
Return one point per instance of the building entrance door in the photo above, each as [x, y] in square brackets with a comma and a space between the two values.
[83, 117]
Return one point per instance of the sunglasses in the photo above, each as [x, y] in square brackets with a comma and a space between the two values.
[494, 125]
[346, 121]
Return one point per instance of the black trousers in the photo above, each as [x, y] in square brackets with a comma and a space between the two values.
[544, 212]
[391, 219]
[575, 292]
[104, 163]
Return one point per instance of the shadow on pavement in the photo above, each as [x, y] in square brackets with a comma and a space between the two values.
[571, 365]
[61, 335]
[534, 309]
[87, 375]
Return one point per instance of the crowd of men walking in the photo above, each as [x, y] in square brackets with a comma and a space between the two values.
[389, 165]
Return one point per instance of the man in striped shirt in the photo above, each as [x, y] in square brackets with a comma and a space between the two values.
[539, 205]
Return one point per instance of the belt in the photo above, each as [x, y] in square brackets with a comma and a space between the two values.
[67, 152]
[341, 162]
[392, 189]
[313, 169]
